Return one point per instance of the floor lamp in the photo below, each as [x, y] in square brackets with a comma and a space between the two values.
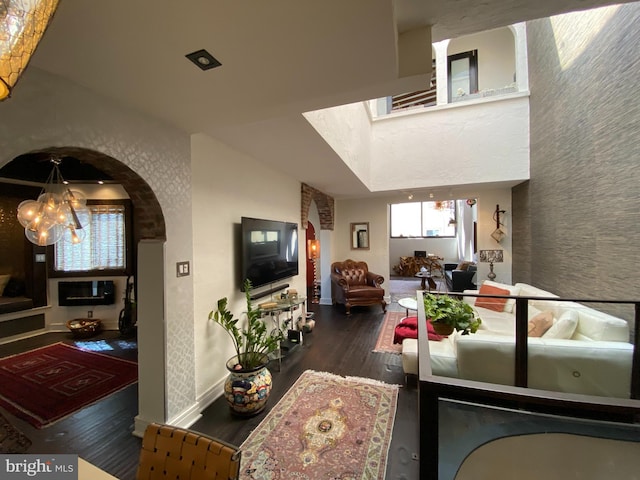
[313, 249]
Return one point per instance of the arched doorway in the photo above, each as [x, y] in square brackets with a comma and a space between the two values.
[149, 236]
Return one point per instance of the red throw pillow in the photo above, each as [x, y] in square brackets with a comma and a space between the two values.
[408, 328]
[495, 304]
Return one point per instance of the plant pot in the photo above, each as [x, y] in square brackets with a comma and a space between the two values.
[442, 328]
[247, 390]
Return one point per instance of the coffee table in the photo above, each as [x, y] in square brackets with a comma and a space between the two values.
[426, 277]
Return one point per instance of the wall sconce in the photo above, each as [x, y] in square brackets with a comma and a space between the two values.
[22, 25]
[491, 257]
[498, 235]
[313, 250]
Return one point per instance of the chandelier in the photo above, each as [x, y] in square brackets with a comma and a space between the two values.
[59, 213]
[22, 24]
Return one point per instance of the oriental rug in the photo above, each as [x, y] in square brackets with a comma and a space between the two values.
[45, 385]
[325, 426]
[385, 337]
[12, 440]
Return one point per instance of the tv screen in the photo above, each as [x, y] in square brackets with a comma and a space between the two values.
[269, 251]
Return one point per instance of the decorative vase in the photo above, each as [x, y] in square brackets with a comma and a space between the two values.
[247, 390]
[442, 328]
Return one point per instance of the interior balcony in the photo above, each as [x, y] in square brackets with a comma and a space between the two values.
[470, 126]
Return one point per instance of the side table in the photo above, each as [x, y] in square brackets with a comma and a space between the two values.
[408, 303]
[426, 277]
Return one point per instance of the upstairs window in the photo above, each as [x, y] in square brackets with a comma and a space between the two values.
[423, 219]
[105, 248]
[462, 74]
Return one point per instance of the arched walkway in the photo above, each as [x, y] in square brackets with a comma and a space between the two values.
[149, 237]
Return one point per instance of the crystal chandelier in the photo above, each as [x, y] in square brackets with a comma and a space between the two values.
[22, 24]
[59, 213]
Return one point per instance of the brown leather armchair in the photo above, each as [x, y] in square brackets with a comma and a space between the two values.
[353, 284]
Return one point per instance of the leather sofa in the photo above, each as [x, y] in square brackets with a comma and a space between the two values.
[459, 276]
[352, 284]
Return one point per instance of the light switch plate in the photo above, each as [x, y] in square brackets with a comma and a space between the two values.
[182, 269]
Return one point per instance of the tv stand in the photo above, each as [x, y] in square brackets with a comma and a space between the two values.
[269, 292]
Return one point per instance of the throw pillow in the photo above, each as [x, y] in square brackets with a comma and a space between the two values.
[4, 279]
[540, 324]
[513, 290]
[495, 304]
[462, 266]
[564, 327]
[14, 288]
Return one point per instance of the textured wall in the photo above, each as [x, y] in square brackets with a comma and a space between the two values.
[47, 111]
[585, 147]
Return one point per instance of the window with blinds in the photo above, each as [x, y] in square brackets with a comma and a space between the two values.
[104, 247]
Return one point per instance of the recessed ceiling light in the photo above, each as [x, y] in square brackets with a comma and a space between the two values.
[100, 182]
[203, 60]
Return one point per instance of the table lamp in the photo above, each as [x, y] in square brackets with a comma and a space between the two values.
[491, 257]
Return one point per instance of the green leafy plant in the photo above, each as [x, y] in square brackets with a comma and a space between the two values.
[448, 310]
[252, 343]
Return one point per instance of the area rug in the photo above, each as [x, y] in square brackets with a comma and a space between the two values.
[45, 385]
[12, 440]
[325, 426]
[385, 337]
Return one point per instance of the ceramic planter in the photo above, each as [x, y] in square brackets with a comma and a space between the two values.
[247, 390]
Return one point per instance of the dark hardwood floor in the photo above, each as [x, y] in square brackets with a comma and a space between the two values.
[340, 344]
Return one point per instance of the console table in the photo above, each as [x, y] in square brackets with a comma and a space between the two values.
[288, 307]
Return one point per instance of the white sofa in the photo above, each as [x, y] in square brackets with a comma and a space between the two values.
[585, 351]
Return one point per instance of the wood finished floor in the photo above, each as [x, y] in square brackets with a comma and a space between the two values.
[339, 344]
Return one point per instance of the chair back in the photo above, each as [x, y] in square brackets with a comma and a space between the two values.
[355, 273]
[171, 453]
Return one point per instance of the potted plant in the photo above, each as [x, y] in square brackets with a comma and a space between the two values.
[448, 313]
[248, 385]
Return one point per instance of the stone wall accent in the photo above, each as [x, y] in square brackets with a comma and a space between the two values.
[325, 204]
[585, 146]
[521, 233]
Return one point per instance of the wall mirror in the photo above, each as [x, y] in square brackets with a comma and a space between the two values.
[360, 236]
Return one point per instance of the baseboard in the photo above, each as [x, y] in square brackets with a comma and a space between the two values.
[187, 418]
[325, 301]
[211, 395]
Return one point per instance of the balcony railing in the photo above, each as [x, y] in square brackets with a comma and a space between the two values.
[433, 389]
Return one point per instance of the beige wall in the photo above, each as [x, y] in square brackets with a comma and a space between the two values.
[496, 56]
[228, 185]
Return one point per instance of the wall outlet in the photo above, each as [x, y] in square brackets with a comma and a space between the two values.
[90, 314]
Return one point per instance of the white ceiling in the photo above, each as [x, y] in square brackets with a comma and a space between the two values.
[279, 58]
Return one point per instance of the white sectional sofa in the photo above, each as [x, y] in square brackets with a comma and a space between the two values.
[585, 351]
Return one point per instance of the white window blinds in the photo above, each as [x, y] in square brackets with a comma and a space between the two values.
[104, 245]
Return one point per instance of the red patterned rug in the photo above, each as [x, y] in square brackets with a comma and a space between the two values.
[48, 384]
[325, 426]
[385, 338]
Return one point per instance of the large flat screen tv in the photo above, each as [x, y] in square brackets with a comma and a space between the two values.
[269, 251]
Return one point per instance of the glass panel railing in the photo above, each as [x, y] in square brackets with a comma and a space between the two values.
[478, 441]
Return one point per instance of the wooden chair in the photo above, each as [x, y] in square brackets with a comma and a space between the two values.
[174, 453]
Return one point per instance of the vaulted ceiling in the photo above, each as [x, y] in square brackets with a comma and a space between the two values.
[279, 59]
